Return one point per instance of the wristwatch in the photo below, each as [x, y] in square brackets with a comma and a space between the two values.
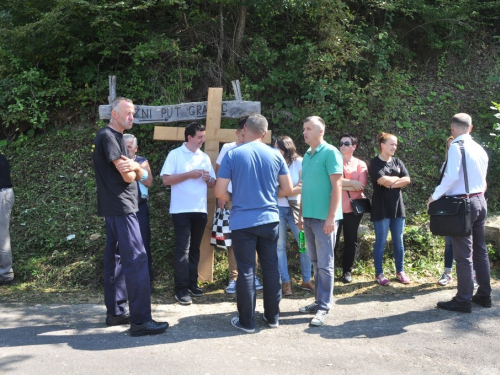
[209, 179]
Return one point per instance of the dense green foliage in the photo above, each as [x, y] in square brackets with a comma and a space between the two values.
[403, 67]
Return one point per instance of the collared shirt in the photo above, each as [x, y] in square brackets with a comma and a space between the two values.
[316, 183]
[189, 195]
[476, 159]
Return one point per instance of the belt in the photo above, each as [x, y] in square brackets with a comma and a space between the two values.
[465, 195]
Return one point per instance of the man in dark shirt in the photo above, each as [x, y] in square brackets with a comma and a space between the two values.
[6, 203]
[125, 260]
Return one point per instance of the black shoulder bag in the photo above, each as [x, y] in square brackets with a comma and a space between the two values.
[359, 206]
[450, 215]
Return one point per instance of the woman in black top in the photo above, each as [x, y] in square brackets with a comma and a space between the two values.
[388, 175]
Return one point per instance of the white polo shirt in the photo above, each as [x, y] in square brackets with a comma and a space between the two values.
[191, 194]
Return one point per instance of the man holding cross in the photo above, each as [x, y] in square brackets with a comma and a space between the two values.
[258, 173]
[189, 172]
[125, 261]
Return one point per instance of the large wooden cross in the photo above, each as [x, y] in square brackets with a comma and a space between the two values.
[213, 110]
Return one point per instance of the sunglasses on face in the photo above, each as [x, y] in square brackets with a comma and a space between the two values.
[347, 144]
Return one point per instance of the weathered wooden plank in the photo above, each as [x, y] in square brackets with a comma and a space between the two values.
[145, 114]
[167, 133]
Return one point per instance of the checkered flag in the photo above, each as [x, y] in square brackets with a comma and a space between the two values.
[221, 234]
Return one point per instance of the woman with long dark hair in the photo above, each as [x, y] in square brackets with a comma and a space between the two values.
[287, 206]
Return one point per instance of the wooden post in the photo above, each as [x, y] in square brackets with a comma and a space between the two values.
[214, 105]
[112, 89]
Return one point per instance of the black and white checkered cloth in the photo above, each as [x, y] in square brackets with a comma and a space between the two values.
[221, 234]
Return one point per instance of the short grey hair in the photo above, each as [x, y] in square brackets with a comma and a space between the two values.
[256, 124]
[115, 103]
[130, 137]
[316, 120]
[462, 120]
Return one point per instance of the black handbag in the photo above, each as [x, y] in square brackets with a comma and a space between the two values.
[451, 215]
[360, 206]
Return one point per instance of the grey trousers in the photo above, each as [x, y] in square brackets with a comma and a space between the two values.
[472, 250]
[320, 247]
[6, 203]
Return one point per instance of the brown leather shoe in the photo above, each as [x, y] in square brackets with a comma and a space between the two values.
[309, 286]
[287, 288]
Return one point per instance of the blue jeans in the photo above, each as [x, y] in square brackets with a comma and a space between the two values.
[320, 247]
[286, 217]
[397, 227]
[448, 254]
[262, 238]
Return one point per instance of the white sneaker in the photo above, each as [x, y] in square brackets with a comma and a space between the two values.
[319, 318]
[231, 288]
[258, 285]
[271, 325]
[445, 279]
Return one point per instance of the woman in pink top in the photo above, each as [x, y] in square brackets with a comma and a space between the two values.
[354, 182]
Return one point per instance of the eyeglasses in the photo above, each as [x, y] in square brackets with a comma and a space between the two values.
[347, 144]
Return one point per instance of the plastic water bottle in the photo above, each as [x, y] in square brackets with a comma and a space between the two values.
[302, 242]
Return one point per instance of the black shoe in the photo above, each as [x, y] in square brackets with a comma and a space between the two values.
[6, 282]
[347, 278]
[195, 291]
[454, 305]
[149, 328]
[183, 298]
[484, 301]
[118, 320]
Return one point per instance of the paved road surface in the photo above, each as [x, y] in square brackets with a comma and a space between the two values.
[394, 332]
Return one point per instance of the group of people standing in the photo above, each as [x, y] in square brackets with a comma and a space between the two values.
[268, 190]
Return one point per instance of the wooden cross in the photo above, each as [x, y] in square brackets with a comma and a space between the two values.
[213, 136]
[213, 110]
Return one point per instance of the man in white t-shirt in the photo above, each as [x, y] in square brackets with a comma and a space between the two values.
[189, 172]
[233, 267]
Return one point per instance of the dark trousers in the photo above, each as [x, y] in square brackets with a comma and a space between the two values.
[471, 250]
[143, 217]
[189, 228]
[264, 239]
[126, 269]
[350, 224]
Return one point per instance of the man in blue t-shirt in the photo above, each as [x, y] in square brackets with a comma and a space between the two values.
[258, 174]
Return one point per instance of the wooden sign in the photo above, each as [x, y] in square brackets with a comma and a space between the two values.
[145, 114]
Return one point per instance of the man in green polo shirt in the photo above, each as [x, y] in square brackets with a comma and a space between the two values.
[320, 211]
